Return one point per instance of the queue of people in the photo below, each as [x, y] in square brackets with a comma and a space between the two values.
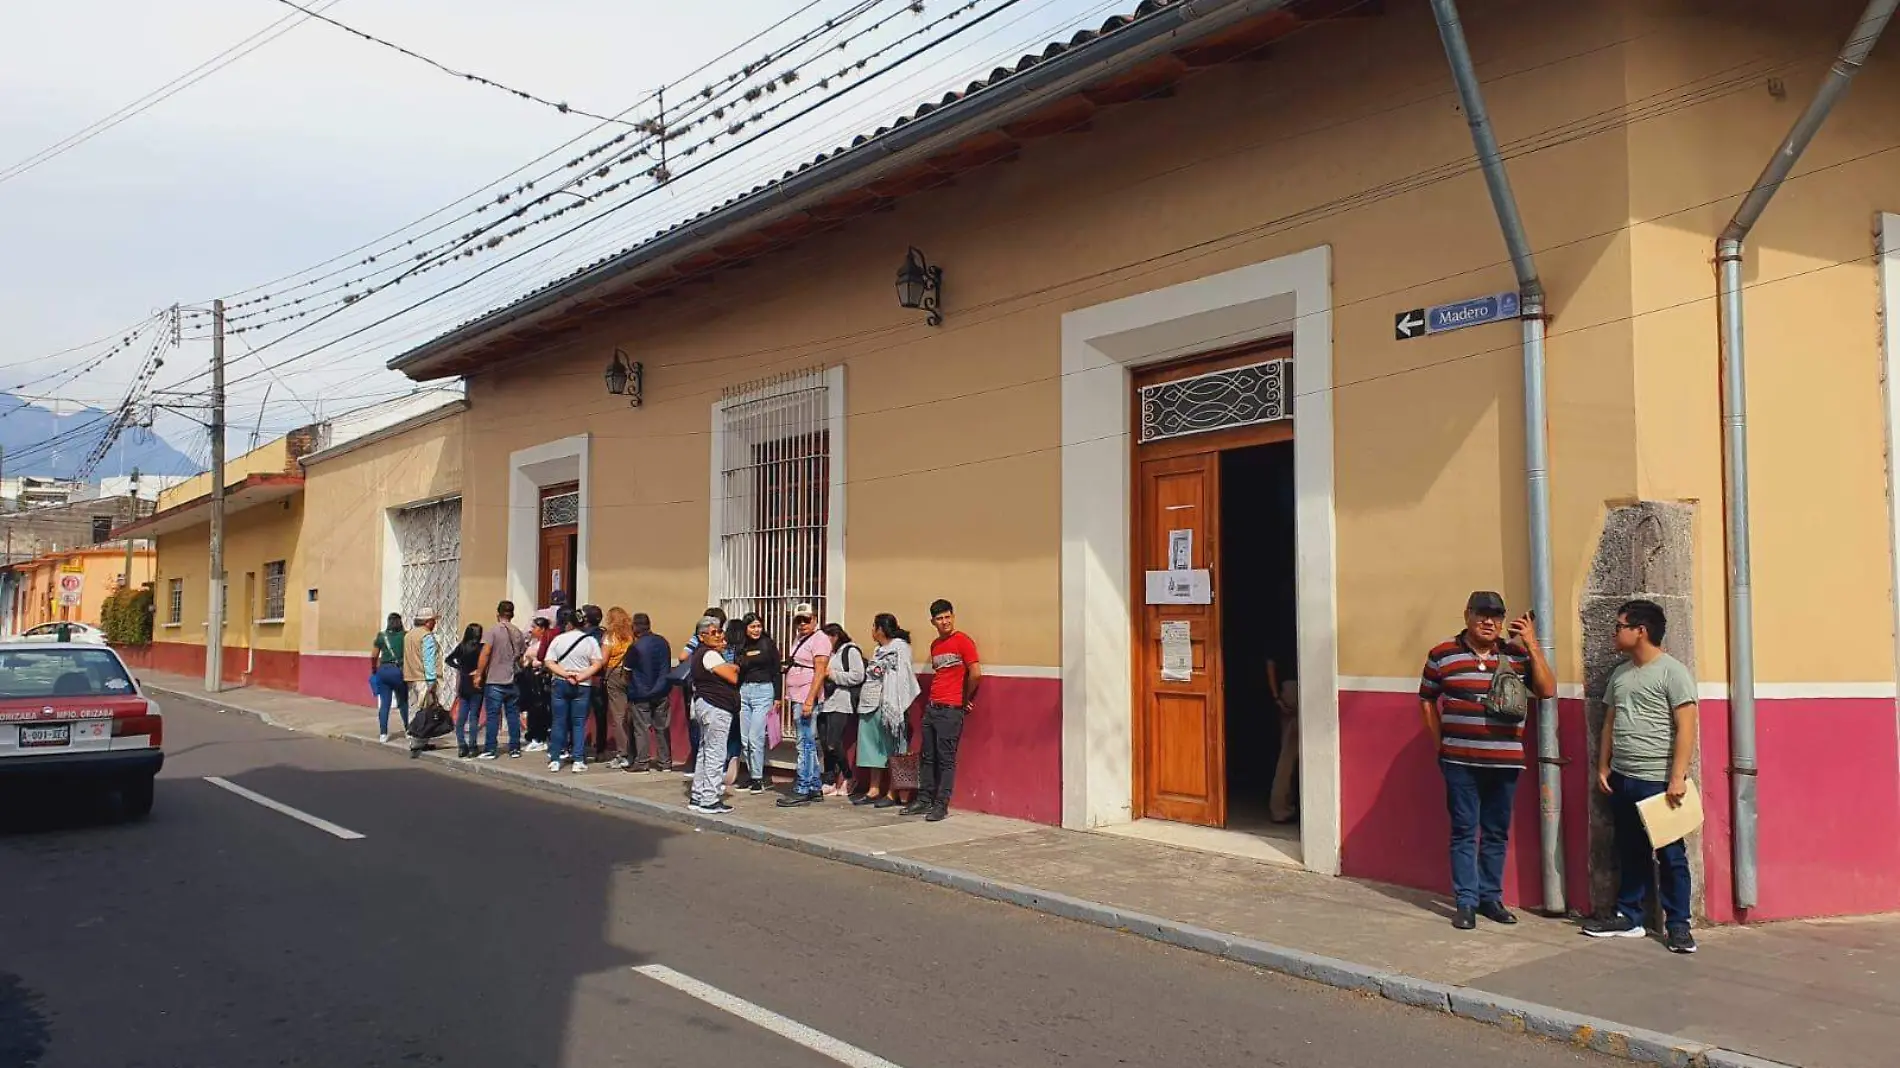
[599, 685]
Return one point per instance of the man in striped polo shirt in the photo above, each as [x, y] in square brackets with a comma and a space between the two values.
[1480, 754]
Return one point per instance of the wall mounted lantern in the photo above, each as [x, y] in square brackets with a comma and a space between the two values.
[919, 285]
[625, 379]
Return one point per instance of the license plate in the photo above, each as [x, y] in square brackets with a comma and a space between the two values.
[58, 734]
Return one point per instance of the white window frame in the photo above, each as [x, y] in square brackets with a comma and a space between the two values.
[175, 603]
[720, 583]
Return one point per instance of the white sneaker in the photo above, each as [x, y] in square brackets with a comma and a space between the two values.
[383, 738]
[537, 747]
[554, 765]
[580, 766]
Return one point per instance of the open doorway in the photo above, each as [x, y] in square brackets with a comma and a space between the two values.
[1258, 600]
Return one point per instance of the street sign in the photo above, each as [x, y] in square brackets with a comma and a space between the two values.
[1443, 318]
[72, 585]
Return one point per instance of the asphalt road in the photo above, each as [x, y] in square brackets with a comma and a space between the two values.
[472, 926]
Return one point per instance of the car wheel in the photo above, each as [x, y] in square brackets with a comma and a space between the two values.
[136, 797]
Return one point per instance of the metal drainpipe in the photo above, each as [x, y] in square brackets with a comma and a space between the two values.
[1536, 439]
[1741, 608]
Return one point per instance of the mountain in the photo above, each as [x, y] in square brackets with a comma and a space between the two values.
[25, 430]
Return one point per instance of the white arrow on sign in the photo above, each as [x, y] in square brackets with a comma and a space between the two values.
[1409, 324]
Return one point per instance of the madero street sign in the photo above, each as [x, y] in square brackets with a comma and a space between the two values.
[1443, 318]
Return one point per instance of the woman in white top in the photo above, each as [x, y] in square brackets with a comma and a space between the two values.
[573, 659]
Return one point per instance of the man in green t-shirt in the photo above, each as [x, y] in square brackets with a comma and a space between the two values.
[1649, 732]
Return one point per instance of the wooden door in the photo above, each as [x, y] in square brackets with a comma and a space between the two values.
[557, 564]
[1182, 727]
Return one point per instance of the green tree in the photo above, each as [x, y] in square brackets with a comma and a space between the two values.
[127, 617]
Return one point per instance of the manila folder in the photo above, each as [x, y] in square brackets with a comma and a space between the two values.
[1666, 824]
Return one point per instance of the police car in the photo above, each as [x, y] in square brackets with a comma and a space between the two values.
[70, 712]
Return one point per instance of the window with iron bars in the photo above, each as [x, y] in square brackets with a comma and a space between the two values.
[175, 602]
[273, 590]
[773, 516]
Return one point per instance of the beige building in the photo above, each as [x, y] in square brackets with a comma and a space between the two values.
[1178, 259]
[357, 515]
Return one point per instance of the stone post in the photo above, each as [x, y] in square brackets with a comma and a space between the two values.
[1646, 550]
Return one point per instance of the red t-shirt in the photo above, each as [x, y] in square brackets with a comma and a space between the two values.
[950, 660]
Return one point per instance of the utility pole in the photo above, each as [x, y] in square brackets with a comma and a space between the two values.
[214, 636]
[128, 537]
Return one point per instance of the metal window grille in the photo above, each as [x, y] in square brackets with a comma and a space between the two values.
[274, 589]
[429, 541]
[1218, 400]
[175, 602]
[561, 509]
[774, 507]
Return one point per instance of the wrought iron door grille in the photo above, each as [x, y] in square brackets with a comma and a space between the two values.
[1218, 400]
[774, 510]
[429, 540]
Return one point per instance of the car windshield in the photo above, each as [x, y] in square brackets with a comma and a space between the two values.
[42, 673]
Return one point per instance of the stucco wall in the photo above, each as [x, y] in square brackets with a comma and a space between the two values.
[952, 449]
[253, 537]
[341, 555]
[270, 458]
[1818, 483]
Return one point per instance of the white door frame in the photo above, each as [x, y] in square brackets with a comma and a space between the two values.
[1101, 348]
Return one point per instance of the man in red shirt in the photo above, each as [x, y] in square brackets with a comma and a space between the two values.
[954, 676]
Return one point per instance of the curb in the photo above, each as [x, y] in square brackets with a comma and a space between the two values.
[1574, 1029]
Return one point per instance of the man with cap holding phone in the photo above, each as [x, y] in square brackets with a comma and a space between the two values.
[1480, 747]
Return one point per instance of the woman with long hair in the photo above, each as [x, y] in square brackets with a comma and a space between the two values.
[758, 660]
[844, 687]
[885, 762]
[468, 691]
[389, 683]
[619, 639]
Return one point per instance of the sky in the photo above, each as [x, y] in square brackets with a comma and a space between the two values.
[314, 143]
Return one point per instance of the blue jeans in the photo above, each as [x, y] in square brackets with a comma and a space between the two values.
[497, 699]
[570, 721]
[389, 686]
[755, 708]
[1479, 800]
[468, 718]
[811, 776]
[1635, 875]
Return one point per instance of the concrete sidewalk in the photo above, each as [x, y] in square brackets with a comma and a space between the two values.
[1812, 994]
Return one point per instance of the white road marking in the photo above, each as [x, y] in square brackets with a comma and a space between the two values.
[278, 806]
[765, 1019]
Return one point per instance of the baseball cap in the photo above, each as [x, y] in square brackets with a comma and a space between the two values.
[1487, 604]
[804, 611]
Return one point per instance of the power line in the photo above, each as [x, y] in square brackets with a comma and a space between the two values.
[551, 153]
[893, 65]
[162, 93]
[561, 106]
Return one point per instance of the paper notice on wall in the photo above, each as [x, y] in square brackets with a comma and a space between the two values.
[1180, 587]
[1180, 550]
[1177, 652]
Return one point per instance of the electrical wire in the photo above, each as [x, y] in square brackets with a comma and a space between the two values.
[162, 93]
[517, 172]
[561, 106]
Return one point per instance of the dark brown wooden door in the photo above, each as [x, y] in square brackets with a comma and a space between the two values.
[558, 546]
[1182, 729]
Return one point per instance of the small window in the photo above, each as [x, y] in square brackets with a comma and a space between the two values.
[175, 603]
[274, 590]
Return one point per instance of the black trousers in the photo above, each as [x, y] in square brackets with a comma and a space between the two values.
[534, 703]
[937, 760]
[832, 728]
